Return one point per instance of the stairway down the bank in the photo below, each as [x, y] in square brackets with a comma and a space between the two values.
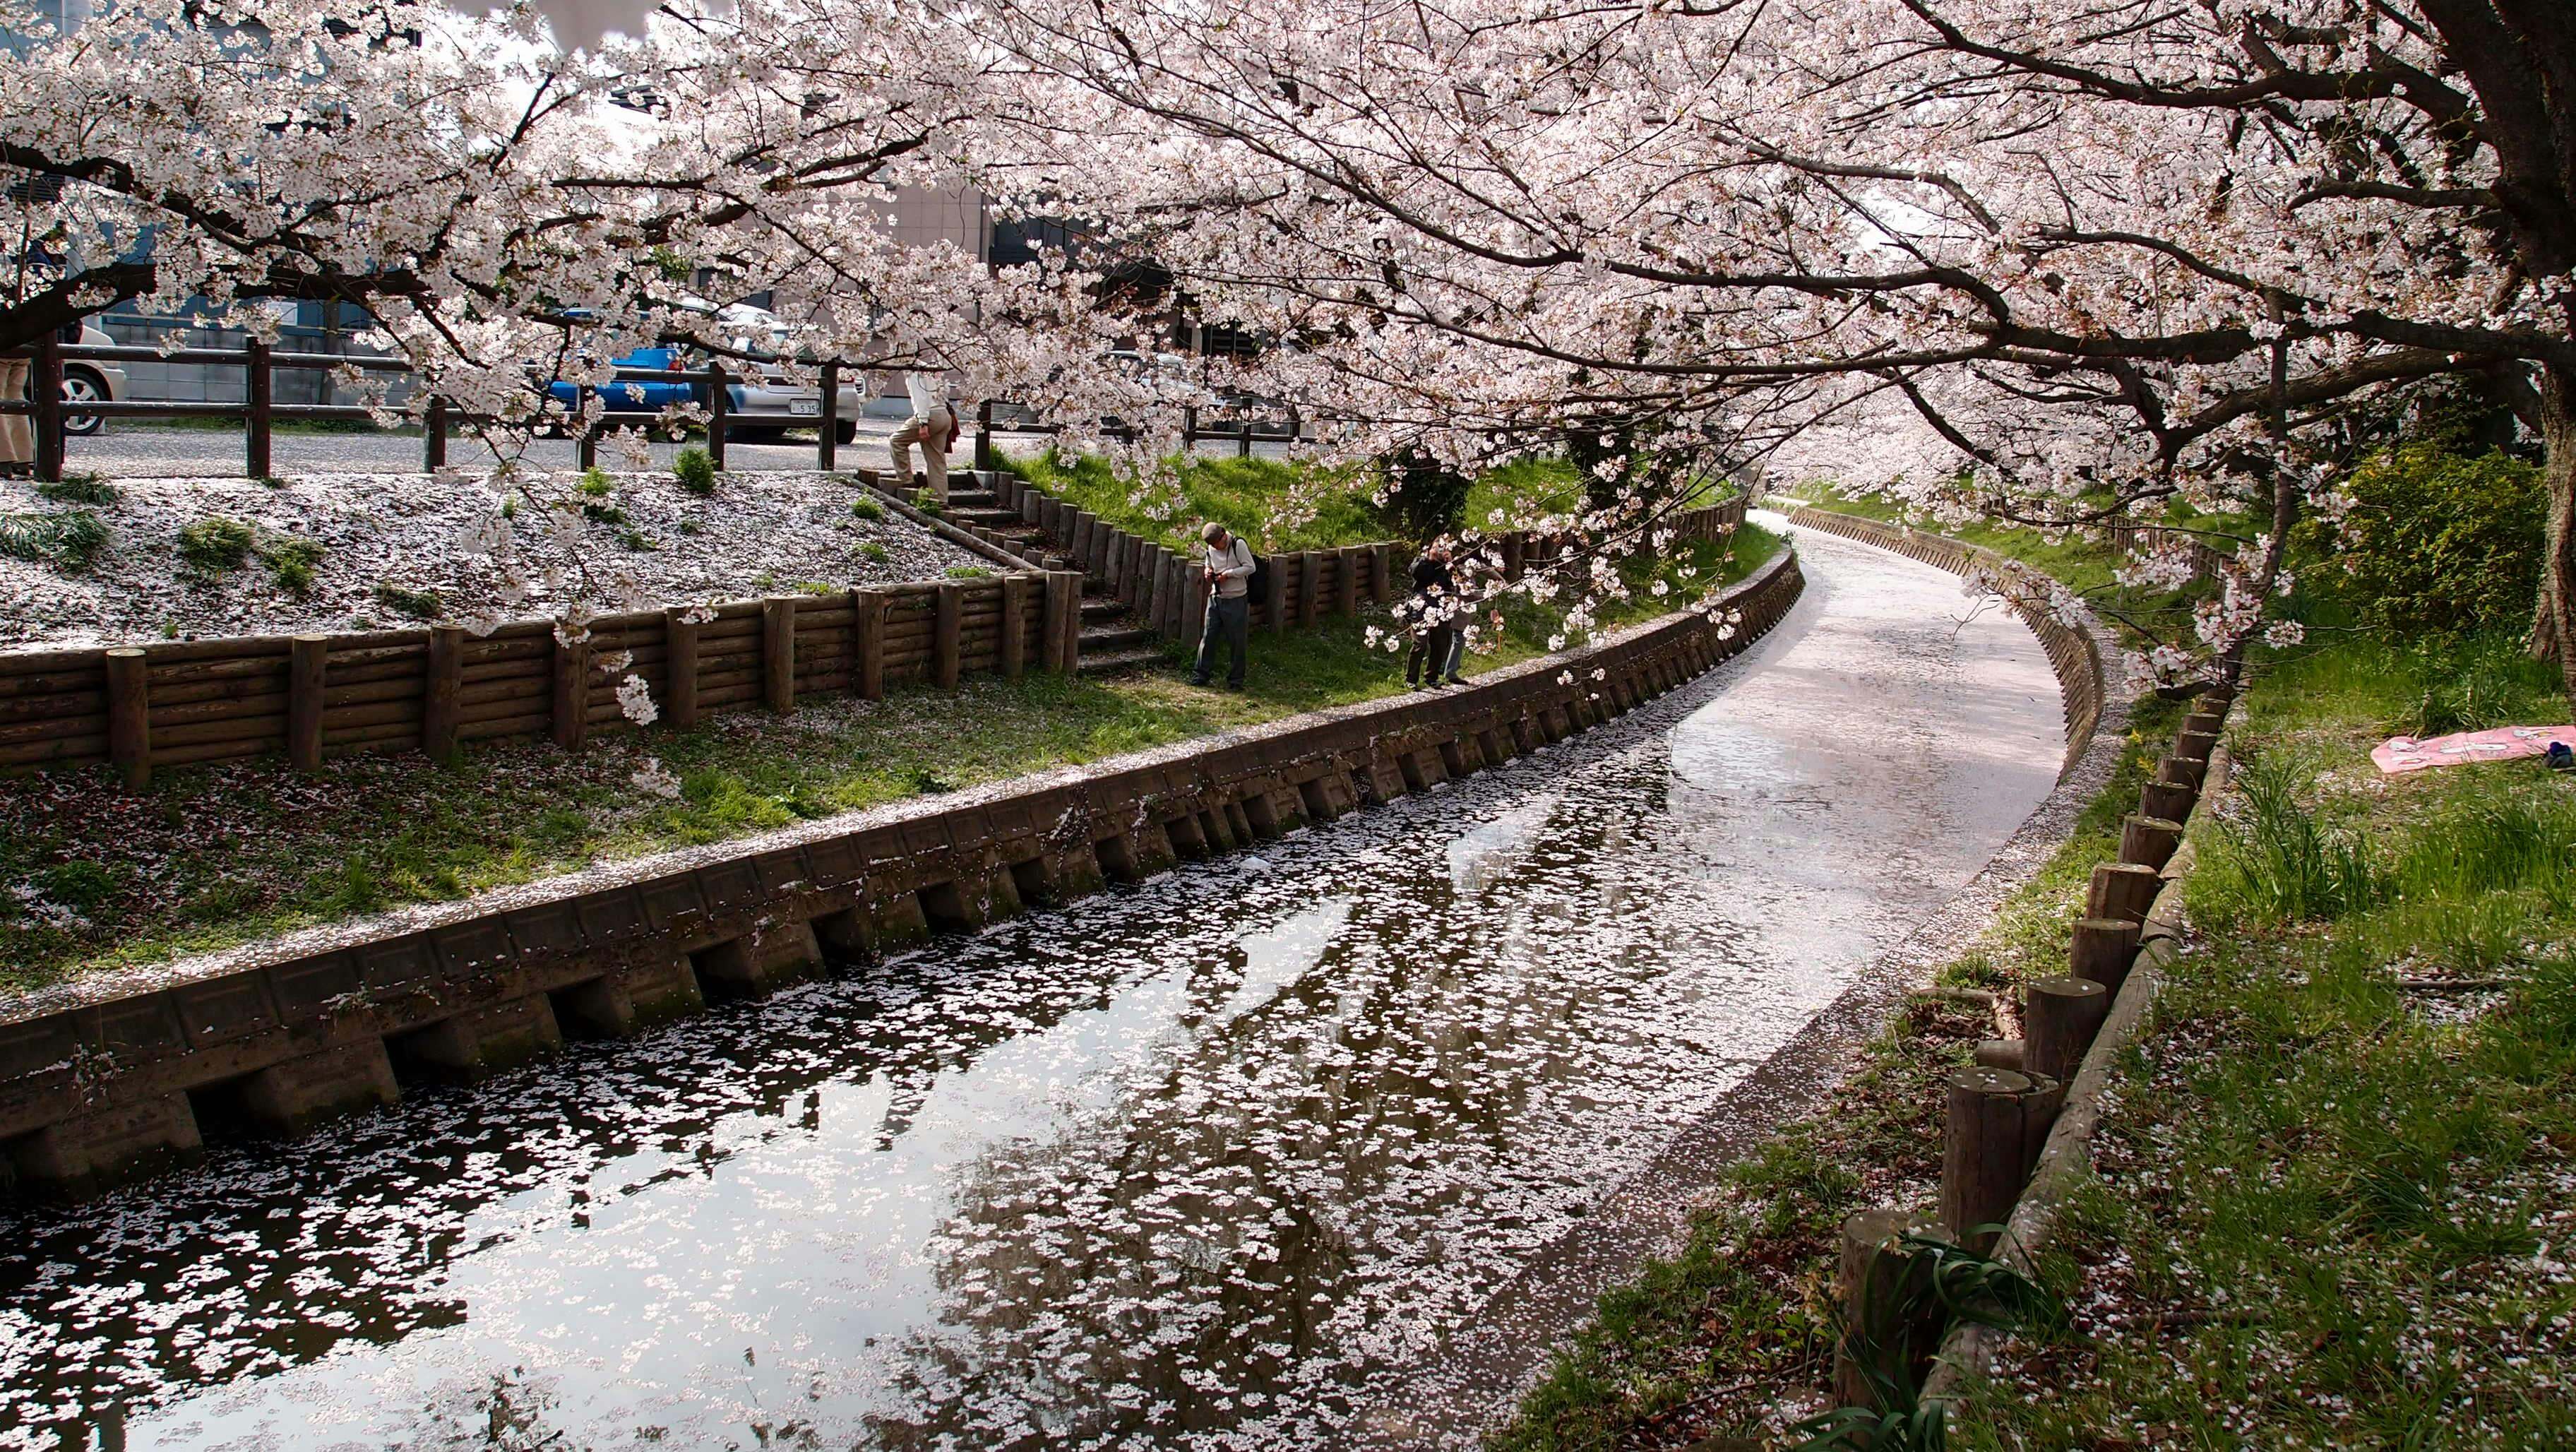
[1113, 638]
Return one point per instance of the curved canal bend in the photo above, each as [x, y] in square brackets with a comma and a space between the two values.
[1202, 1162]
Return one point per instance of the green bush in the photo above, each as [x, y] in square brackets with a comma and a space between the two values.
[2275, 860]
[2436, 541]
[969, 572]
[292, 560]
[2479, 682]
[596, 483]
[873, 551]
[866, 508]
[418, 604]
[1425, 499]
[71, 539]
[80, 489]
[697, 470]
[215, 545]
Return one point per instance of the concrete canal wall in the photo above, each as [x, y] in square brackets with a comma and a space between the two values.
[115, 1076]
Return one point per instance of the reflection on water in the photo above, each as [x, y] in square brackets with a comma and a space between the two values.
[1188, 1163]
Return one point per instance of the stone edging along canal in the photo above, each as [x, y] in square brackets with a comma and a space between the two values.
[115, 1076]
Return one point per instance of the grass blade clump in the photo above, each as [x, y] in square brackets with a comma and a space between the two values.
[69, 540]
[2276, 860]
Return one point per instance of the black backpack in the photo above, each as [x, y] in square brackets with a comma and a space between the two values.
[1258, 587]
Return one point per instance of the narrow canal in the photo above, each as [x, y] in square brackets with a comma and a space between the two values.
[1195, 1163]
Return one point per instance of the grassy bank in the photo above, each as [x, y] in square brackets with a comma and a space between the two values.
[214, 856]
[2333, 1175]
[2332, 1200]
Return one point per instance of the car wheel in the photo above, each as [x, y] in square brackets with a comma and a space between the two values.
[81, 386]
[846, 431]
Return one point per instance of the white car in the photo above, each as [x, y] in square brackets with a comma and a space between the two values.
[767, 400]
[88, 382]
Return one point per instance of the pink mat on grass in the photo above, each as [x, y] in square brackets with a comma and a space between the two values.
[2405, 753]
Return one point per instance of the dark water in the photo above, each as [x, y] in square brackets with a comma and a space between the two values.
[1198, 1162]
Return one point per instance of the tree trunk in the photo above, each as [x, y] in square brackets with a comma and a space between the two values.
[2558, 475]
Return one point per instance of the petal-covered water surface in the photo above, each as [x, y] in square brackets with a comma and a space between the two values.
[1185, 1164]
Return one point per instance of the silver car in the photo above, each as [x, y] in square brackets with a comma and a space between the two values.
[88, 382]
[772, 401]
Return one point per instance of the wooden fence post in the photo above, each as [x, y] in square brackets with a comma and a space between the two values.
[947, 628]
[1346, 593]
[867, 644]
[1014, 645]
[1069, 622]
[1987, 1148]
[827, 428]
[45, 400]
[2122, 891]
[2059, 1018]
[308, 661]
[778, 652]
[2102, 950]
[2167, 800]
[433, 435]
[2149, 841]
[446, 676]
[1196, 591]
[1877, 1275]
[129, 717]
[680, 659]
[984, 456]
[571, 707]
[257, 379]
[1308, 581]
[717, 402]
[1274, 594]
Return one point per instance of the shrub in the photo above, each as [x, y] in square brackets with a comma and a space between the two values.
[1425, 499]
[79, 884]
[596, 483]
[80, 489]
[214, 545]
[291, 561]
[817, 587]
[697, 470]
[873, 551]
[418, 604]
[598, 513]
[638, 541]
[969, 572]
[866, 508]
[926, 502]
[2483, 681]
[70, 540]
[2437, 541]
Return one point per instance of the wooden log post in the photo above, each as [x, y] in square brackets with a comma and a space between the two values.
[1196, 593]
[2205, 722]
[1274, 594]
[1514, 546]
[827, 424]
[680, 667]
[947, 631]
[2195, 746]
[1309, 579]
[2102, 950]
[2059, 1018]
[258, 380]
[719, 398]
[2185, 773]
[2149, 841]
[45, 407]
[1014, 644]
[778, 653]
[129, 717]
[1346, 591]
[445, 677]
[2121, 891]
[985, 458]
[867, 643]
[571, 706]
[2167, 800]
[1988, 1146]
[307, 662]
[433, 435]
[1877, 1281]
[1068, 621]
[1382, 587]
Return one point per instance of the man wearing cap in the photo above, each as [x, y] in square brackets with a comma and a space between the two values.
[1229, 571]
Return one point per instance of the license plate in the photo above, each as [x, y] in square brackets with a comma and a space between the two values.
[812, 407]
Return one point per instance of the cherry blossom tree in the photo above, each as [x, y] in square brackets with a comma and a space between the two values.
[2072, 261]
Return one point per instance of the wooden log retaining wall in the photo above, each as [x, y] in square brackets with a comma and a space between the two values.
[110, 1077]
[183, 702]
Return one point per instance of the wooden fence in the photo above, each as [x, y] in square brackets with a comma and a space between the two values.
[319, 696]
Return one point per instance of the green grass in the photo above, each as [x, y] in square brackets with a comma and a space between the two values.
[2331, 1188]
[214, 856]
[1276, 505]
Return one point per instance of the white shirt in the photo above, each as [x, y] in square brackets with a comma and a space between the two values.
[927, 396]
[1232, 566]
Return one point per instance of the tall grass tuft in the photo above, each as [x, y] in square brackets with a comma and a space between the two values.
[2274, 860]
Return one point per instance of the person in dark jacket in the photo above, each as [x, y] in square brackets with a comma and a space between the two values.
[1435, 596]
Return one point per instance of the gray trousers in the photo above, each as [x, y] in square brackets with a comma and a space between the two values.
[1230, 617]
